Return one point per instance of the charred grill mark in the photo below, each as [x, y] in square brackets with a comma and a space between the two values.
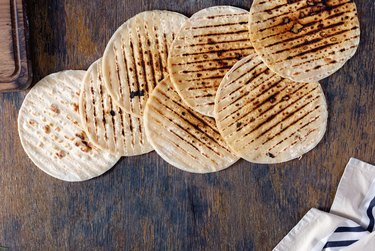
[219, 25]
[103, 112]
[318, 49]
[208, 95]
[304, 8]
[312, 42]
[271, 118]
[136, 82]
[122, 126]
[291, 135]
[141, 140]
[204, 87]
[303, 35]
[85, 106]
[299, 139]
[244, 63]
[247, 92]
[110, 86]
[339, 14]
[277, 7]
[165, 51]
[207, 69]
[309, 132]
[142, 58]
[221, 34]
[131, 128]
[287, 127]
[113, 121]
[188, 129]
[226, 15]
[260, 104]
[205, 104]
[159, 55]
[217, 42]
[154, 83]
[208, 78]
[218, 60]
[173, 143]
[275, 26]
[331, 53]
[267, 100]
[93, 104]
[246, 73]
[118, 72]
[306, 34]
[127, 73]
[283, 99]
[187, 111]
[220, 52]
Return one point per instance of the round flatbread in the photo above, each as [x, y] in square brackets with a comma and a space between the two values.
[107, 126]
[268, 119]
[307, 40]
[51, 134]
[135, 59]
[184, 138]
[205, 49]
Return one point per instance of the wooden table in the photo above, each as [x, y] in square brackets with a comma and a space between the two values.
[144, 203]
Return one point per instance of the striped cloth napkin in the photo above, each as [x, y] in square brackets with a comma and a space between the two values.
[350, 224]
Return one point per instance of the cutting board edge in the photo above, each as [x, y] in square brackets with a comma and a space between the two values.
[22, 76]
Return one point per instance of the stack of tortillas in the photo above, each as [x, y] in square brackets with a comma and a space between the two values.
[202, 91]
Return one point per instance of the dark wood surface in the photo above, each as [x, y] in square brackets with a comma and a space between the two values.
[15, 68]
[144, 203]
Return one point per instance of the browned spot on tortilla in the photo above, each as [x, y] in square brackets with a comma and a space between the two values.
[46, 129]
[60, 154]
[54, 108]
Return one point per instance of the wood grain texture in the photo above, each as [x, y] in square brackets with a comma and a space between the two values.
[145, 204]
[15, 68]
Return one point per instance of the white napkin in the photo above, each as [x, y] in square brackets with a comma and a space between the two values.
[355, 197]
[349, 225]
[319, 231]
[365, 244]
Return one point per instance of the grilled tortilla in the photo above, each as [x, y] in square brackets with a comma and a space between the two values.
[135, 59]
[268, 119]
[182, 137]
[51, 134]
[107, 125]
[305, 40]
[206, 48]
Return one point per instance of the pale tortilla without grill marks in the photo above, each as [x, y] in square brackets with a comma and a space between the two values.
[304, 40]
[205, 49]
[107, 125]
[267, 119]
[182, 137]
[135, 59]
[51, 134]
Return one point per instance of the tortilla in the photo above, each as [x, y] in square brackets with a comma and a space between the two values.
[305, 41]
[107, 126]
[51, 134]
[205, 49]
[267, 119]
[182, 137]
[135, 59]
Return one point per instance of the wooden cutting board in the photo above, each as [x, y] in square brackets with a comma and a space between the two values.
[15, 72]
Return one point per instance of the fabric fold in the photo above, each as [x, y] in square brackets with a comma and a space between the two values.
[355, 197]
[350, 224]
[319, 231]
